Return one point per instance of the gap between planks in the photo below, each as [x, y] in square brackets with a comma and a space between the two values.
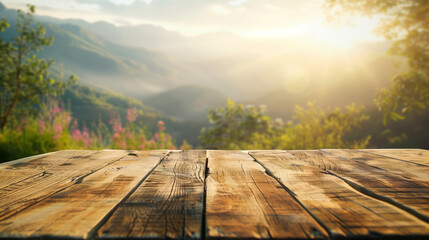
[92, 234]
[348, 155]
[25, 219]
[292, 194]
[357, 187]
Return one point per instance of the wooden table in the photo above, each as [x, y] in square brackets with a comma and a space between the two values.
[321, 194]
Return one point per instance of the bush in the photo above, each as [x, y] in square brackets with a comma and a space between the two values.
[240, 127]
[54, 129]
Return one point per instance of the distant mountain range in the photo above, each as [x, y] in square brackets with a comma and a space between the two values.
[117, 58]
[101, 63]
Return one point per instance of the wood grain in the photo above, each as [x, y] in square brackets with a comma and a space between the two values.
[74, 211]
[340, 208]
[409, 194]
[244, 202]
[419, 156]
[408, 170]
[21, 169]
[51, 174]
[169, 203]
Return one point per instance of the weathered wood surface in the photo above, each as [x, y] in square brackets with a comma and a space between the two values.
[410, 194]
[73, 211]
[48, 175]
[169, 203]
[406, 169]
[344, 211]
[418, 156]
[199, 194]
[244, 202]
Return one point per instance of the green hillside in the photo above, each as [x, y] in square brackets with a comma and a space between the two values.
[133, 71]
[189, 102]
[89, 105]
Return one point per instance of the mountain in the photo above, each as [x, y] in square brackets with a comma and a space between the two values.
[189, 102]
[89, 106]
[189, 48]
[243, 69]
[96, 61]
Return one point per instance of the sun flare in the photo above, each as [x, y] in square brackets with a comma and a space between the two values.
[337, 36]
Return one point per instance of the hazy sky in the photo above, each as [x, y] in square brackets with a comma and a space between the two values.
[248, 18]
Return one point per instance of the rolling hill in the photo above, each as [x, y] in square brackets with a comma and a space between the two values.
[89, 106]
[189, 102]
[101, 63]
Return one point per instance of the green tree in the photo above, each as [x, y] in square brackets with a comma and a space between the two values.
[240, 127]
[24, 77]
[316, 128]
[406, 22]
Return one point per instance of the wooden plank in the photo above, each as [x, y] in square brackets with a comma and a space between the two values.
[406, 169]
[169, 203]
[244, 202]
[340, 208]
[74, 211]
[48, 175]
[409, 194]
[29, 158]
[418, 156]
[18, 170]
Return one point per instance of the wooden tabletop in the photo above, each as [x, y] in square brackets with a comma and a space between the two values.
[199, 194]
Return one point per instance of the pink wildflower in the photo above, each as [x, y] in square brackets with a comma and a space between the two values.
[56, 110]
[122, 144]
[130, 135]
[116, 135]
[58, 130]
[161, 125]
[131, 114]
[42, 126]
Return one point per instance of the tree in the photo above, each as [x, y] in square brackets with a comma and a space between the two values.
[406, 22]
[240, 127]
[25, 77]
[316, 128]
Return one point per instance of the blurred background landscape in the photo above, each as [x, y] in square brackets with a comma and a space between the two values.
[161, 66]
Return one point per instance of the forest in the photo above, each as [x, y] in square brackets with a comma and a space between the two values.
[72, 84]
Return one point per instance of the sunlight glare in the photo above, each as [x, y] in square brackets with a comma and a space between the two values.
[340, 36]
[296, 79]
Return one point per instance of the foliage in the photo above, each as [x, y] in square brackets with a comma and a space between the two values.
[54, 129]
[317, 128]
[407, 23]
[34, 135]
[133, 136]
[411, 91]
[24, 77]
[239, 127]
